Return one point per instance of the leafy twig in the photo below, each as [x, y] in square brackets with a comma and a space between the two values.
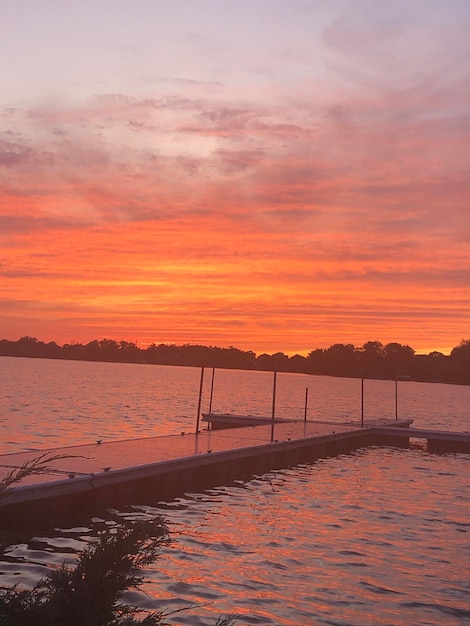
[39, 465]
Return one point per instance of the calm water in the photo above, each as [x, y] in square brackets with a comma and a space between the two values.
[381, 536]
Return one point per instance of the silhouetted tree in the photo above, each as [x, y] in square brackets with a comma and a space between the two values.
[398, 360]
[129, 352]
[162, 354]
[316, 361]
[340, 360]
[460, 360]
[298, 363]
[432, 367]
[370, 358]
[264, 362]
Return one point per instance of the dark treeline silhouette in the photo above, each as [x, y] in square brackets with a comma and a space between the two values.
[372, 360]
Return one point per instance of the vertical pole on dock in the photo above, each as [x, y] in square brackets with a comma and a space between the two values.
[362, 403]
[306, 404]
[200, 399]
[212, 390]
[396, 399]
[274, 406]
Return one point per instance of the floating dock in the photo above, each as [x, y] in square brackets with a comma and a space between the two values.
[89, 478]
[437, 440]
[219, 421]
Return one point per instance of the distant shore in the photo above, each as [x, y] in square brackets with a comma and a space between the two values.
[391, 361]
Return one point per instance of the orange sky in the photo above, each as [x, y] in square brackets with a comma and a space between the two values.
[313, 192]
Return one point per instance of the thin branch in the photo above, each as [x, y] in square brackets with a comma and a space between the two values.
[33, 467]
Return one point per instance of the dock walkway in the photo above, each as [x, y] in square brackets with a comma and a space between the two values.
[88, 459]
[106, 473]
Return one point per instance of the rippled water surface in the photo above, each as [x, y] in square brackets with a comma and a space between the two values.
[381, 536]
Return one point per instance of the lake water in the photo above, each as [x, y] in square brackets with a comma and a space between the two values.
[380, 536]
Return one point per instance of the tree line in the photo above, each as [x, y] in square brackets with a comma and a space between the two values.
[372, 360]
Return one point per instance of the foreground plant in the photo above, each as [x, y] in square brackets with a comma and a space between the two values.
[41, 464]
[91, 593]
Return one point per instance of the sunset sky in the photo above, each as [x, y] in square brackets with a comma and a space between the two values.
[274, 175]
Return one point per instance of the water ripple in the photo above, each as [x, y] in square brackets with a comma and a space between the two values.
[377, 536]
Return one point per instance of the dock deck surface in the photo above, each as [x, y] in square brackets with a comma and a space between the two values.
[95, 458]
[110, 456]
[169, 465]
